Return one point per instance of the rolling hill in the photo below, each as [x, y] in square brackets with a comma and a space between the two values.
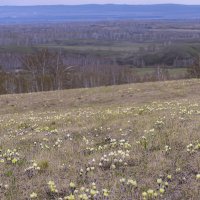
[60, 13]
[138, 141]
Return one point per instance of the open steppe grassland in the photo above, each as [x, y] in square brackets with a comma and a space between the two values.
[139, 141]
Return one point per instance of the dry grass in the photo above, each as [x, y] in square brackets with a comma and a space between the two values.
[120, 142]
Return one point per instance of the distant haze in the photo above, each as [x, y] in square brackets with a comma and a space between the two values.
[75, 2]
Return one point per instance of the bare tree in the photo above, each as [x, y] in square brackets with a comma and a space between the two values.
[47, 69]
[194, 70]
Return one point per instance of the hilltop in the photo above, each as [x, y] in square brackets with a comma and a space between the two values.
[61, 13]
[137, 141]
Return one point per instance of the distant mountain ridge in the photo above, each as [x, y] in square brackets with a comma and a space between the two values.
[94, 12]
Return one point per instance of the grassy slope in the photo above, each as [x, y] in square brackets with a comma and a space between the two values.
[65, 131]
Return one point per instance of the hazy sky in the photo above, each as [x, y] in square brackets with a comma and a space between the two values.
[72, 2]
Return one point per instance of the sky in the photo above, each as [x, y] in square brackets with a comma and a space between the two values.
[75, 2]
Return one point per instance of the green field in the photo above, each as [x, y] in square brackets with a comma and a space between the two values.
[122, 47]
[173, 72]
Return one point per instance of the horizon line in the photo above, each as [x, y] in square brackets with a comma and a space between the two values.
[153, 4]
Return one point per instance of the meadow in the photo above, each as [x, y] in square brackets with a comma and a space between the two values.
[138, 141]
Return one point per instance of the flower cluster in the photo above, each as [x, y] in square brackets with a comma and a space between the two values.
[143, 142]
[32, 170]
[128, 182]
[9, 156]
[33, 195]
[167, 149]
[52, 187]
[58, 143]
[163, 184]
[110, 144]
[86, 193]
[159, 124]
[192, 148]
[115, 159]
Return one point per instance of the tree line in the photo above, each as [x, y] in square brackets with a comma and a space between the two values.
[164, 32]
[46, 70]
